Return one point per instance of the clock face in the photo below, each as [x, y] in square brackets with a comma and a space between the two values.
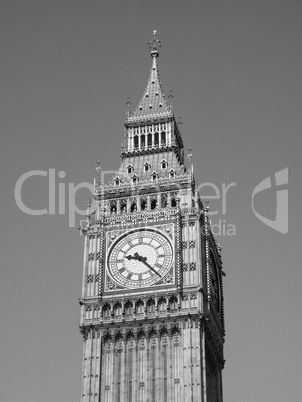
[140, 258]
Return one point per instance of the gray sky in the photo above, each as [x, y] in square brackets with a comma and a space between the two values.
[67, 69]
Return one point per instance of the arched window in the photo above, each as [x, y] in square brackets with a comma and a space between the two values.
[149, 140]
[173, 303]
[151, 306]
[129, 169]
[112, 207]
[153, 203]
[139, 307]
[128, 308]
[143, 203]
[156, 139]
[154, 176]
[164, 164]
[172, 173]
[123, 205]
[117, 309]
[136, 141]
[164, 200]
[173, 203]
[163, 138]
[134, 179]
[106, 311]
[162, 305]
[143, 141]
[147, 167]
[117, 181]
[133, 206]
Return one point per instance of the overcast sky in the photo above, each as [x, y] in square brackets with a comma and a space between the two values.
[67, 69]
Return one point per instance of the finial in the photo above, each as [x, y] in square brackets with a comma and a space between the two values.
[170, 99]
[190, 157]
[206, 207]
[87, 210]
[98, 166]
[205, 212]
[154, 44]
[98, 169]
[128, 103]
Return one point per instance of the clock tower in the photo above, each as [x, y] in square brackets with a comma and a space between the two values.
[152, 303]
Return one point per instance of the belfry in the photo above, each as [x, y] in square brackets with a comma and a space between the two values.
[152, 315]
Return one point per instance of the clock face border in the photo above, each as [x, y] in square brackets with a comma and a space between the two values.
[115, 237]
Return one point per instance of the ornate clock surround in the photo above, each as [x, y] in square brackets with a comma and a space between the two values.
[113, 236]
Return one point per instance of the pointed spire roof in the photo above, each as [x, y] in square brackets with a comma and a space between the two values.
[153, 102]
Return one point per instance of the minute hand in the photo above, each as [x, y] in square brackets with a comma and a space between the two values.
[149, 266]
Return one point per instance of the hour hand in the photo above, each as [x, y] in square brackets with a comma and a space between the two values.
[136, 256]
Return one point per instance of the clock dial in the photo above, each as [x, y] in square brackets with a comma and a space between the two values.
[140, 258]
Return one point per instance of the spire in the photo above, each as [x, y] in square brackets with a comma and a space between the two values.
[153, 101]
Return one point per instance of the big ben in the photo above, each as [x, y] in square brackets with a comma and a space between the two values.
[152, 314]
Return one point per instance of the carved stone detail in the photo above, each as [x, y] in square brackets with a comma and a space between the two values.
[110, 285]
[185, 266]
[192, 266]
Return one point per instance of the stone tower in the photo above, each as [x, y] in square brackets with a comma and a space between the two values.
[152, 303]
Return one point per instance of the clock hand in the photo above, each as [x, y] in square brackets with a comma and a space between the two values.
[129, 257]
[144, 261]
[138, 257]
